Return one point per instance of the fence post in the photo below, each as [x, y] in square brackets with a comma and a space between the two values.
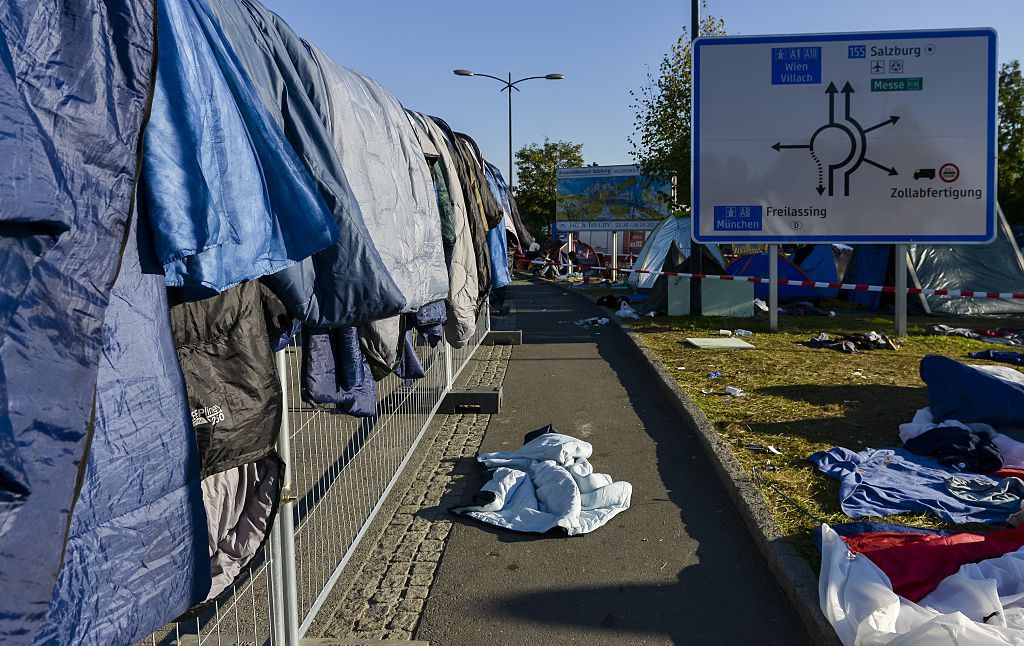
[276, 585]
[283, 588]
[449, 379]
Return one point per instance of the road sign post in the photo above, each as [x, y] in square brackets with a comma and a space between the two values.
[615, 256]
[900, 271]
[883, 138]
[773, 287]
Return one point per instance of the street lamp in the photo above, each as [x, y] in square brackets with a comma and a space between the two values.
[510, 85]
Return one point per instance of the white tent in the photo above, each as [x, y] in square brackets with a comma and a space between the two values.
[652, 256]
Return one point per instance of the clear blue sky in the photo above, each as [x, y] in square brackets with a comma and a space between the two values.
[604, 48]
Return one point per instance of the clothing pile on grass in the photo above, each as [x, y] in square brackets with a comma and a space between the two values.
[166, 225]
[962, 461]
[548, 484]
[1012, 336]
[854, 343]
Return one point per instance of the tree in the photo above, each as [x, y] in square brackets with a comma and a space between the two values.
[1011, 141]
[661, 129]
[535, 186]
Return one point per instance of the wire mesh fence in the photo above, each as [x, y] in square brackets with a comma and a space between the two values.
[340, 471]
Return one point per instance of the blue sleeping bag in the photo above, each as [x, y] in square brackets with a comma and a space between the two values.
[347, 283]
[137, 550]
[228, 198]
[960, 392]
[75, 81]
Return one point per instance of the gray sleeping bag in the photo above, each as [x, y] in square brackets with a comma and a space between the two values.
[391, 181]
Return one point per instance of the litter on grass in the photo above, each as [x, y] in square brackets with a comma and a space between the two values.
[719, 344]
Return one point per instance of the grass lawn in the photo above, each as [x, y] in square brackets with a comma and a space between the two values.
[800, 400]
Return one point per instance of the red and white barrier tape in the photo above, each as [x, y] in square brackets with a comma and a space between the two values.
[885, 289]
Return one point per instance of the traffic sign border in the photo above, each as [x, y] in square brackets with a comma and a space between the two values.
[705, 41]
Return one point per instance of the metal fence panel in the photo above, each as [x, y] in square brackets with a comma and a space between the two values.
[340, 471]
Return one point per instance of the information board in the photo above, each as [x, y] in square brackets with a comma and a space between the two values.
[866, 137]
[609, 198]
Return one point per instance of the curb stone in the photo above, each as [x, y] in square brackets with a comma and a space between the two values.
[792, 572]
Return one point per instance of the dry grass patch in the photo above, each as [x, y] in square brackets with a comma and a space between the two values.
[801, 400]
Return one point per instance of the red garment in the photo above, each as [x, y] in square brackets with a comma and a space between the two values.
[1008, 473]
[917, 563]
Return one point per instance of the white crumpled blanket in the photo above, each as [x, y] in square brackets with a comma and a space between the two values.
[982, 604]
[549, 483]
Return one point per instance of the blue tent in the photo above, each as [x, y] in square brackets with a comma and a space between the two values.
[757, 265]
[820, 266]
[871, 265]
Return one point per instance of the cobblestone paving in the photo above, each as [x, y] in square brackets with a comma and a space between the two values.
[390, 581]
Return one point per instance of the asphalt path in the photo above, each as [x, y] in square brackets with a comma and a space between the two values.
[677, 567]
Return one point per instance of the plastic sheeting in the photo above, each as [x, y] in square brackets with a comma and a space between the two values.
[994, 267]
[228, 199]
[346, 284]
[757, 264]
[652, 255]
[74, 88]
[390, 179]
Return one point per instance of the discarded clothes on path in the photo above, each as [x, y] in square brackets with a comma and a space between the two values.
[882, 482]
[547, 484]
[981, 604]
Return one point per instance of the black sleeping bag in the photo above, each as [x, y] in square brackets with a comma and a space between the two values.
[224, 347]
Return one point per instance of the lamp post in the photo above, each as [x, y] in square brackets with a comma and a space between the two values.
[510, 85]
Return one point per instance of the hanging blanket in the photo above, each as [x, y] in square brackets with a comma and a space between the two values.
[136, 552]
[548, 484]
[347, 283]
[389, 177]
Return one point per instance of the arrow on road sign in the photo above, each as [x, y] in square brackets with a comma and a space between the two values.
[831, 92]
[891, 120]
[891, 170]
[779, 146]
[847, 90]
